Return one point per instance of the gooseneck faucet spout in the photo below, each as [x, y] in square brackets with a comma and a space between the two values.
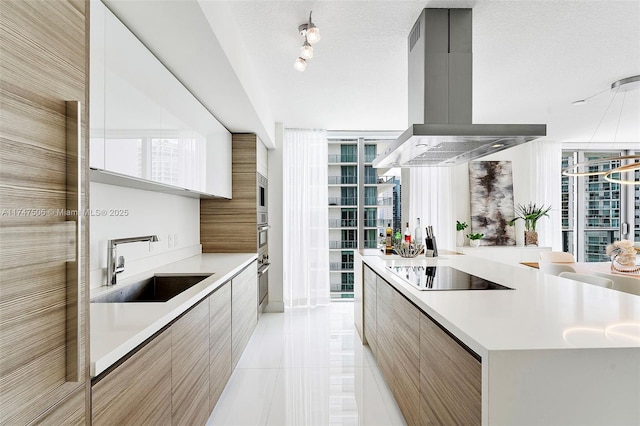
[113, 268]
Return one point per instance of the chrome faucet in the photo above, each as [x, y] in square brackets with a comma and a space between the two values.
[114, 269]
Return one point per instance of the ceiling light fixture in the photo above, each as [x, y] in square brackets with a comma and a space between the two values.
[300, 64]
[306, 51]
[625, 85]
[311, 35]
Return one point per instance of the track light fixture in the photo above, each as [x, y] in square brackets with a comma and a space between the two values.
[311, 35]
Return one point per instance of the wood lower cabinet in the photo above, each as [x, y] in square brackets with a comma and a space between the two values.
[219, 342]
[450, 379]
[177, 377]
[435, 380]
[244, 310]
[369, 297]
[406, 357]
[384, 329]
[138, 391]
[190, 367]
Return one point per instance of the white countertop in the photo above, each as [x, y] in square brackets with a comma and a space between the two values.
[544, 312]
[117, 328]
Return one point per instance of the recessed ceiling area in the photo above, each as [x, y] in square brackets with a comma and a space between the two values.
[531, 59]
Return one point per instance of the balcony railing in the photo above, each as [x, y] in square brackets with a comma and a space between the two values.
[343, 201]
[343, 180]
[368, 158]
[370, 201]
[343, 223]
[370, 244]
[377, 223]
[343, 244]
[341, 266]
[339, 158]
[370, 180]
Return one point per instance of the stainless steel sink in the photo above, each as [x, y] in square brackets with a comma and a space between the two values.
[154, 289]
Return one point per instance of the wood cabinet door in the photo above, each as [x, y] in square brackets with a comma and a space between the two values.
[244, 310]
[43, 300]
[384, 329]
[406, 357]
[138, 391]
[190, 367]
[450, 379]
[369, 296]
[219, 342]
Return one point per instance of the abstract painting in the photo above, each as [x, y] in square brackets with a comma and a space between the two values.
[491, 187]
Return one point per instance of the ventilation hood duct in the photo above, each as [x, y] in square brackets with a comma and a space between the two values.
[440, 97]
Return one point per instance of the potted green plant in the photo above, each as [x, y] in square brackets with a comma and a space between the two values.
[474, 239]
[460, 227]
[530, 214]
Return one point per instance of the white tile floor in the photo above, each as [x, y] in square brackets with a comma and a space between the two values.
[307, 367]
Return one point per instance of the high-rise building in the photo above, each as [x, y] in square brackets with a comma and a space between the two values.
[594, 210]
[356, 190]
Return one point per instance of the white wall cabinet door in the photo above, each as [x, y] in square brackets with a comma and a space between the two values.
[145, 123]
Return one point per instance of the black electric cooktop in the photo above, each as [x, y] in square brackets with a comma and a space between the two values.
[443, 278]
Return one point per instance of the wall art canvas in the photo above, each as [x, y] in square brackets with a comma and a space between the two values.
[491, 187]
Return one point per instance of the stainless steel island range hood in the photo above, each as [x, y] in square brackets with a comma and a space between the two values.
[440, 99]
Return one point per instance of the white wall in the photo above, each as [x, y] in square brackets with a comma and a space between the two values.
[526, 187]
[174, 219]
[276, 302]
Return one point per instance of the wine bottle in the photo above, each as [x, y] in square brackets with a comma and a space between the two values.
[389, 240]
[407, 234]
[417, 234]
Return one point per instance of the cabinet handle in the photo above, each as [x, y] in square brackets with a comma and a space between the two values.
[263, 269]
[74, 264]
[263, 228]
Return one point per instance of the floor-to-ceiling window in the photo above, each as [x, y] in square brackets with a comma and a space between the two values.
[350, 167]
[596, 212]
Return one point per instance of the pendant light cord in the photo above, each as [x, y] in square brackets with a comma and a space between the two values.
[615, 136]
[603, 116]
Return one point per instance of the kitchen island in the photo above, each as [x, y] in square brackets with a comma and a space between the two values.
[549, 351]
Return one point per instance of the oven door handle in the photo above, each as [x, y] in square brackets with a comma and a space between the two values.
[264, 268]
[263, 228]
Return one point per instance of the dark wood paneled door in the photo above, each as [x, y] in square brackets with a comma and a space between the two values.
[43, 300]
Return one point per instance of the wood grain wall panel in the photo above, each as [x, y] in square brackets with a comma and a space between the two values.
[450, 379]
[219, 342]
[190, 367]
[369, 297]
[230, 226]
[138, 392]
[69, 412]
[406, 359]
[43, 64]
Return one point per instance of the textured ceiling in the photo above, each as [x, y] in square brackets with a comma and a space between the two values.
[531, 59]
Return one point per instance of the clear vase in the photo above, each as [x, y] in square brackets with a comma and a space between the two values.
[460, 239]
[531, 238]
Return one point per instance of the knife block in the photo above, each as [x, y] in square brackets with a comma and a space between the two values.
[430, 247]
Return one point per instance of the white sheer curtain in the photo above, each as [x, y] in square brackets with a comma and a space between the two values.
[546, 166]
[432, 201]
[306, 218]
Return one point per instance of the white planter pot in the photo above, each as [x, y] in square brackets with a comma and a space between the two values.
[474, 243]
[460, 239]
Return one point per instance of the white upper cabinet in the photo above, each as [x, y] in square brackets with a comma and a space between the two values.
[144, 123]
